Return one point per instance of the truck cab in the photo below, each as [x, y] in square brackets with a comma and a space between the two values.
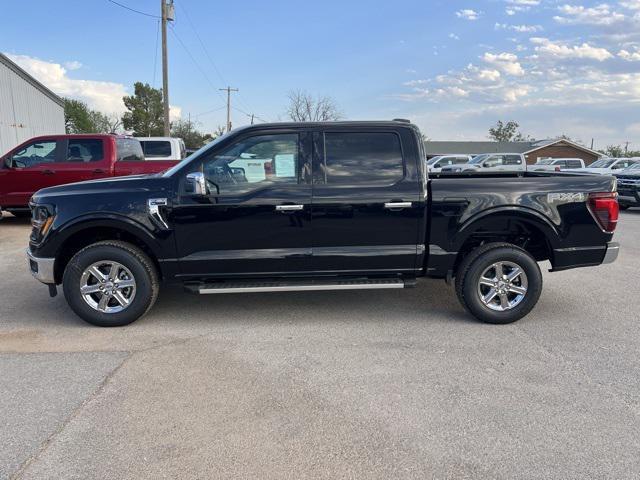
[163, 148]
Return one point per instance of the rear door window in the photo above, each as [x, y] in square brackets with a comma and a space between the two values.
[357, 158]
[156, 148]
[129, 150]
[84, 150]
[574, 164]
[513, 160]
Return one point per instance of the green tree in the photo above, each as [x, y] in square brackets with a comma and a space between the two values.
[145, 111]
[77, 117]
[507, 132]
[614, 151]
[186, 130]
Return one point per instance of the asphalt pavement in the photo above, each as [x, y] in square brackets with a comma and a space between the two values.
[359, 384]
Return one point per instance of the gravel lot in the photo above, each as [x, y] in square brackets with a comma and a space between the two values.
[384, 384]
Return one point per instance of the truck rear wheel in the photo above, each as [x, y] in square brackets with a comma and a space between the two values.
[499, 283]
[110, 283]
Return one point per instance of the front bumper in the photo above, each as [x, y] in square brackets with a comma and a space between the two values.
[613, 249]
[41, 268]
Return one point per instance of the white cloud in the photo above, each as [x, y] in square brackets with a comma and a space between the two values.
[468, 14]
[519, 28]
[175, 113]
[564, 51]
[631, 4]
[630, 56]
[103, 96]
[454, 36]
[601, 14]
[73, 65]
[524, 3]
[515, 6]
[505, 62]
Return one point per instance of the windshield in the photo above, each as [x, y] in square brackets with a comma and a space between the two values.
[548, 161]
[480, 158]
[635, 166]
[434, 160]
[603, 163]
[180, 164]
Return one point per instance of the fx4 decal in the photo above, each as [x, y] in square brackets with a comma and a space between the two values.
[566, 197]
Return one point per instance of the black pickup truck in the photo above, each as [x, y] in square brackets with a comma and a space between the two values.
[316, 206]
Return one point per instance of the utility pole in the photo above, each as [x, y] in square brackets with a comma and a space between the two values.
[167, 16]
[252, 115]
[228, 90]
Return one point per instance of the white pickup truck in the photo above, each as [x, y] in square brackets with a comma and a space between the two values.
[557, 164]
[163, 148]
[607, 166]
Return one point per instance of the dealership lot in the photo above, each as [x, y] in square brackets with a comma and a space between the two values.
[378, 384]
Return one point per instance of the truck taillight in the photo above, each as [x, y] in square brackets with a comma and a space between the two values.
[605, 209]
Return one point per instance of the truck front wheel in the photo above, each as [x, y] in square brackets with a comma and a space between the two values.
[110, 283]
[499, 283]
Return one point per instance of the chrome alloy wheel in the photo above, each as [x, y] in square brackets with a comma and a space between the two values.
[107, 286]
[502, 286]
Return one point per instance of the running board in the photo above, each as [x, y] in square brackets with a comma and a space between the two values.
[299, 286]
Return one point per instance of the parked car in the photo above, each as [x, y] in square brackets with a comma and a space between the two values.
[556, 164]
[629, 186]
[60, 159]
[436, 164]
[608, 166]
[491, 162]
[344, 206]
[163, 148]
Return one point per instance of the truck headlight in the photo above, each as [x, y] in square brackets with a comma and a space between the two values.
[42, 217]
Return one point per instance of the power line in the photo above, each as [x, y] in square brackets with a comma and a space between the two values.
[195, 62]
[209, 111]
[133, 9]
[208, 55]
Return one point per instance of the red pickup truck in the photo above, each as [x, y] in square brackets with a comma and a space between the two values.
[58, 159]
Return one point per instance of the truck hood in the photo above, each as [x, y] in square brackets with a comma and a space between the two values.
[112, 185]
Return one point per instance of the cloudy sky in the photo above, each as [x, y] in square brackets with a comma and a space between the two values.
[453, 67]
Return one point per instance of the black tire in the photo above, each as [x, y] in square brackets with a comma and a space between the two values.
[476, 262]
[135, 260]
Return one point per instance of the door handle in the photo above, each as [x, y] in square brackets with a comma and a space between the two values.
[397, 205]
[99, 171]
[48, 172]
[289, 208]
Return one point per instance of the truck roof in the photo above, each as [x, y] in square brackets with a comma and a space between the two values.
[80, 135]
[350, 123]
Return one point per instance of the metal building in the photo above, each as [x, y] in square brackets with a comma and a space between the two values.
[27, 107]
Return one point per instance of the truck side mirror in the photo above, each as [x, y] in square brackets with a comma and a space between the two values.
[196, 184]
[6, 162]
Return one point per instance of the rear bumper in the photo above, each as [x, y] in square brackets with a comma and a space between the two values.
[41, 268]
[566, 258]
[613, 248]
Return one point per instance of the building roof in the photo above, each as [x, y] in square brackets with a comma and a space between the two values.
[548, 143]
[28, 78]
[476, 148]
